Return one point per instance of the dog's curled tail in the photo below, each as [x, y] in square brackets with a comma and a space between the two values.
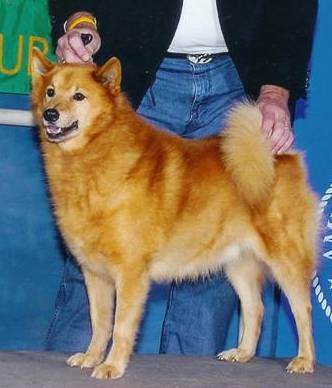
[247, 155]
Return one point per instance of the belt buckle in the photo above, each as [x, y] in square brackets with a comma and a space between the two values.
[200, 58]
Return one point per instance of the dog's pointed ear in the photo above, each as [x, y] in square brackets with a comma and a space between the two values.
[39, 65]
[110, 75]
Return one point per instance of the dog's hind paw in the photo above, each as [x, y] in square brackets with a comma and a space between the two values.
[84, 360]
[234, 355]
[300, 365]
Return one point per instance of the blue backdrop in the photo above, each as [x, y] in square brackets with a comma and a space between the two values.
[32, 256]
[314, 135]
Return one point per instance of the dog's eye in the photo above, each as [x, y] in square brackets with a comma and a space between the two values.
[78, 96]
[50, 92]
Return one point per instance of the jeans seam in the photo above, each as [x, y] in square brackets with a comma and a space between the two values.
[195, 93]
[153, 98]
[59, 306]
[164, 338]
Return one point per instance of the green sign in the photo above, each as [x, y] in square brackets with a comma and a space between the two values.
[23, 24]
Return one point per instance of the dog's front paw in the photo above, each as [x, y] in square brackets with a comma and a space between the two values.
[84, 360]
[235, 355]
[300, 365]
[106, 371]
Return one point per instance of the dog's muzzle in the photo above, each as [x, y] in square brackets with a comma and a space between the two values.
[54, 132]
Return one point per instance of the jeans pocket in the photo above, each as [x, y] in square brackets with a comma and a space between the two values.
[149, 100]
[233, 76]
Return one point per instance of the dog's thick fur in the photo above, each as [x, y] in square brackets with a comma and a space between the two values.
[136, 204]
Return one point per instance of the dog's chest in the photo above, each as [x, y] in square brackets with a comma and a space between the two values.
[94, 261]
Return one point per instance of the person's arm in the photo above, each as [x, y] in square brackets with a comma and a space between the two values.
[69, 24]
[285, 41]
[287, 31]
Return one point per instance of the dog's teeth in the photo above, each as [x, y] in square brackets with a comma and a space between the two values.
[53, 129]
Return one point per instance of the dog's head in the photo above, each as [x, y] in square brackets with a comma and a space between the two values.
[71, 101]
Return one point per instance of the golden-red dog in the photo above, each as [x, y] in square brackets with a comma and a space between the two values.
[135, 204]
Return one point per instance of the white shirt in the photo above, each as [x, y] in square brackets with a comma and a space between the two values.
[198, 31]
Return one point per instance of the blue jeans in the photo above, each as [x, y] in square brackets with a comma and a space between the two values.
[191, 100]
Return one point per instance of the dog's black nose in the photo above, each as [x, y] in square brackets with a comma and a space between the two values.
[51, 115]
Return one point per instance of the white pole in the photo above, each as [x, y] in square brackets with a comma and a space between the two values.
[16, 117]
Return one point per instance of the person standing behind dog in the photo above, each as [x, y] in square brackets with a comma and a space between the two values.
[184, 64]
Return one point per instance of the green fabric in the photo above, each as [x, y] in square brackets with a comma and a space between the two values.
[23, 24]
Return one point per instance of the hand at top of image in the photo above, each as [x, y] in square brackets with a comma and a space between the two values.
[80, 41]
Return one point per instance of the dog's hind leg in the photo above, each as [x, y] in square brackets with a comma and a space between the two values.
[294, 279]
[246, 276]
[132, 288]
[101, 296]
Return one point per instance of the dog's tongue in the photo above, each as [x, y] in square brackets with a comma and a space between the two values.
[53, 129]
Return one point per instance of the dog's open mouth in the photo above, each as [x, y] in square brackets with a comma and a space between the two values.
[55, 133]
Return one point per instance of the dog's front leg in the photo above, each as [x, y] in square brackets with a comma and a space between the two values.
[101, 300]
[131, 288]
